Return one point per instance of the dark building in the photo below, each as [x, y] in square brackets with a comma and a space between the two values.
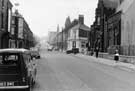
[27, 35]
[14, 31]
[113, 38]
[21, 35]
[5, 22]
[105, 9]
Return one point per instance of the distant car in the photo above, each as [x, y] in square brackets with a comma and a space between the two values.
[35, 54]
[49, 49]
[69, 51]
[17, 70]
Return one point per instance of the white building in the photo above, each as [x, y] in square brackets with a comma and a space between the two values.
[78, 35]
[51, 36]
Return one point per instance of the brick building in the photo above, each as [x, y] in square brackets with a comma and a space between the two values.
[105, 9]
[5, 22]
[21, 35]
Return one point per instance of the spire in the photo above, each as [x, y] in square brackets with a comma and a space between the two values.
[58, 29]
[67, 22]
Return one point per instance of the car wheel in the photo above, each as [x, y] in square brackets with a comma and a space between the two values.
[30, 86]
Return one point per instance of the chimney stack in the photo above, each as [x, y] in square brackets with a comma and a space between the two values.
[81, 19]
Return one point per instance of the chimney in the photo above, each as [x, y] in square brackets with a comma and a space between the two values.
[81, 19]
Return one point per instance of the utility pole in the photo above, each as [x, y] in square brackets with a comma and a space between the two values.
[62, 40]
[57, 35]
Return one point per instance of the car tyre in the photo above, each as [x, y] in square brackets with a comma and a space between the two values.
[30, 86]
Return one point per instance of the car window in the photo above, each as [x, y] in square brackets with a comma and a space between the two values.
[8, 59]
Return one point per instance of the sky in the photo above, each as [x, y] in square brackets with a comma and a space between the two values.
[45, 15]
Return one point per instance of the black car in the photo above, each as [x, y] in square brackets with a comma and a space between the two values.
[35, 54]
[16, 70]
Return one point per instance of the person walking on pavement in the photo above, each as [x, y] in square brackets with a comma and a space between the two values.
[97, 51]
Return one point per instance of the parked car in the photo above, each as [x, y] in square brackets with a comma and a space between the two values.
[16, 70]
[75, 50]
[35, 54]
[69, 51]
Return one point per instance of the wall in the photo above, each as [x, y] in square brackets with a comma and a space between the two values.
[128, 29]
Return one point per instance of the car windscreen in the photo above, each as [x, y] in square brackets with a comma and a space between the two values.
[9, 59]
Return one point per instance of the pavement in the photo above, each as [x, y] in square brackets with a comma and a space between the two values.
[121, 65]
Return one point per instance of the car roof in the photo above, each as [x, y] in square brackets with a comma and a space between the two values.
[14, 50]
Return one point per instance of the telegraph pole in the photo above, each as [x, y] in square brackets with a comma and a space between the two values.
[62, 40]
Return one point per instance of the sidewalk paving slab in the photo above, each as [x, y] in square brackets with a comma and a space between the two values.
[125, 66]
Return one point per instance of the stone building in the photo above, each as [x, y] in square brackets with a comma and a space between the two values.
[103, 21]
[127, 28]
[51, 36]
[114, 26]
[21, 34]
[64, 39]
[77, 35]
[5, 22]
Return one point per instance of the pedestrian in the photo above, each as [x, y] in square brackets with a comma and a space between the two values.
[97, 50]
[116, 56]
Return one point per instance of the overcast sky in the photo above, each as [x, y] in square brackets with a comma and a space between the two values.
[44, 15]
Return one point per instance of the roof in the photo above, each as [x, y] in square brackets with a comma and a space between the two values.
[82, 26]
[14, 50]
[125, 5]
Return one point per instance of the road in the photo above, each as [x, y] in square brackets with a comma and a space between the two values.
[68, 72]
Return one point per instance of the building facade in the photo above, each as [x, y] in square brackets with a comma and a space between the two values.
[127, 27]
[21, 35]
[5, 22]
[114, 26]
[77, 36]
[104, 19]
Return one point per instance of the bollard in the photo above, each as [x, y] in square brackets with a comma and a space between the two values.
[116, 56]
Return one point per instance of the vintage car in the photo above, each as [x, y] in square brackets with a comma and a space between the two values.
[17, 70]
[35, 54]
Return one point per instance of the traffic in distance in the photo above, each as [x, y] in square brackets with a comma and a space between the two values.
[18, 69]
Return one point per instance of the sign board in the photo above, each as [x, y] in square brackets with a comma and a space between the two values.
[9, 20]
[20, 28]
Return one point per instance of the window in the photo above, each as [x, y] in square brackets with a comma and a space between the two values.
[12, 30]
[82, 33]
[8, 59]
[83, 44]
[13, 21]
[98, 21]
[2, 16]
